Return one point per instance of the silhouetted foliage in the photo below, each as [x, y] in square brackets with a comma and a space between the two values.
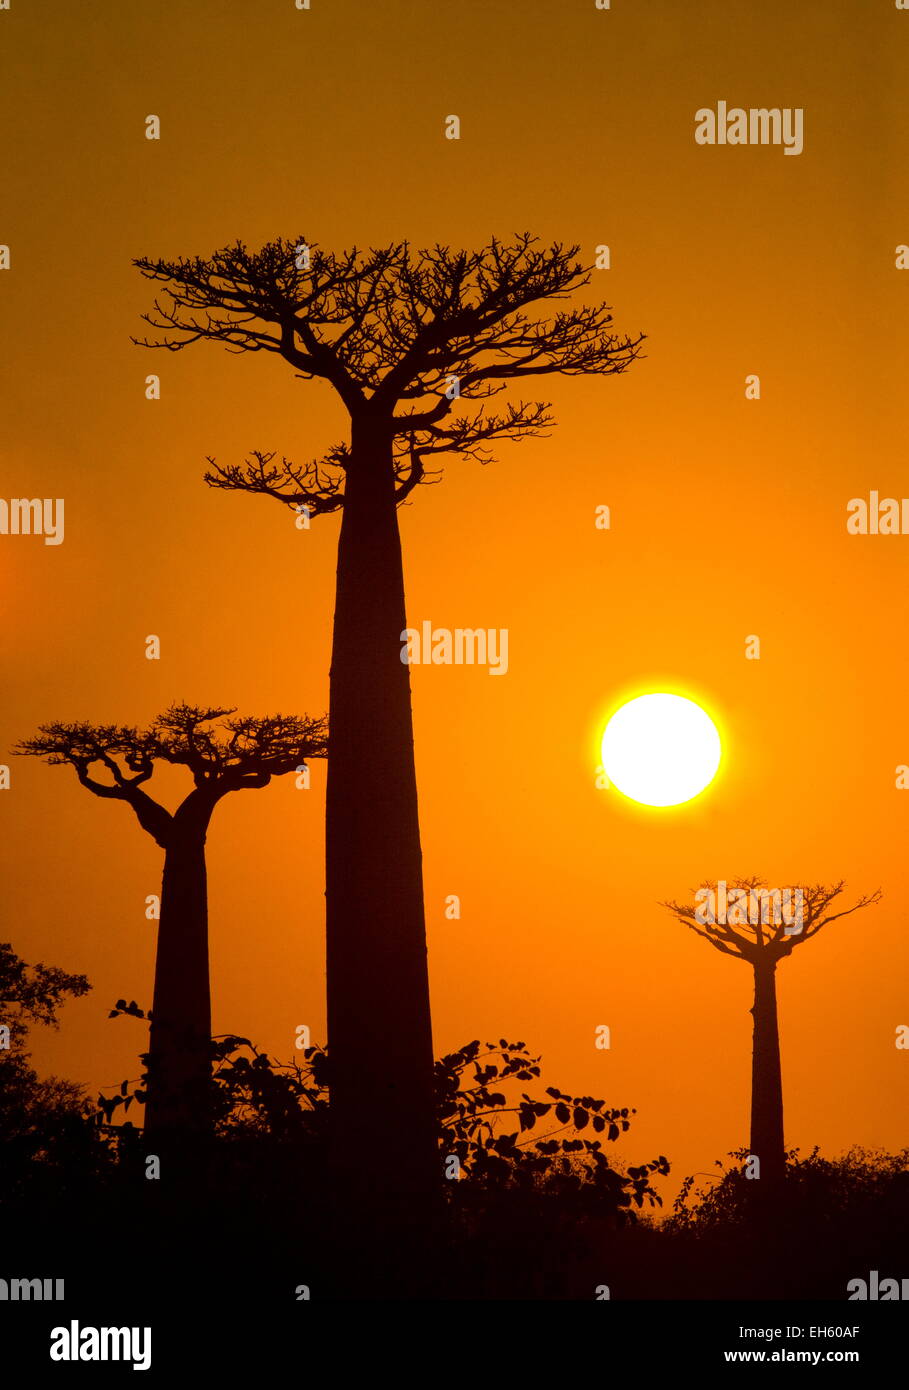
[484, 1120]
[46, 1132]
[33, 993]
[541, 1209]
[818, 1190]
[832, 1221]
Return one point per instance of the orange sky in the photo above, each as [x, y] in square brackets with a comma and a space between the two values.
[728, 519]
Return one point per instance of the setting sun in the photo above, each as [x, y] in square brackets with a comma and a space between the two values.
[509, 493]
[661, 750]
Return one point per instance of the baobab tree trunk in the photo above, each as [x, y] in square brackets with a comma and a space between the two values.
[384, 1143]
[766, 1082]
[177, 1113]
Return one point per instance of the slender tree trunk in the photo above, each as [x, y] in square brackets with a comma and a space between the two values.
[179, 1074]
[766, 1081]
[384, 1144]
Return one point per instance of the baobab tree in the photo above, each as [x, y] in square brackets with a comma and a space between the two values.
[747, 920]
[414, 344]
[223, 752]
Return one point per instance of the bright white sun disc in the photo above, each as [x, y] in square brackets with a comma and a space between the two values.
[661, 749]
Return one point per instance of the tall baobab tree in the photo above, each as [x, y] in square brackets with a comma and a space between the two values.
[754, 925]
[414, 343]
[115, 762]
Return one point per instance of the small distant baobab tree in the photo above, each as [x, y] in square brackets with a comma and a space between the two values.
[758, 926]
[413, 343]
[115, 762]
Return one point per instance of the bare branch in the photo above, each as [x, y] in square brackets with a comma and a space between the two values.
[388, 329]
[756, 939]
[316, 485]
[223, 751]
